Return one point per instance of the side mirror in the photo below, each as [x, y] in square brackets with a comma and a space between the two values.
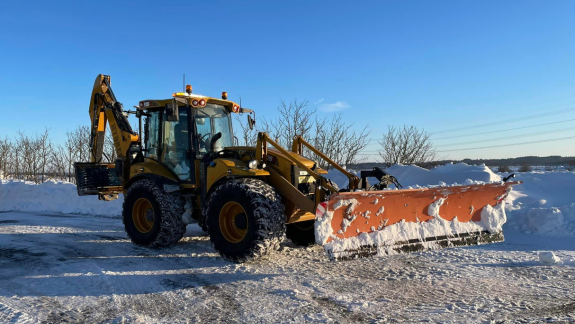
[251, 122]
[172, 113]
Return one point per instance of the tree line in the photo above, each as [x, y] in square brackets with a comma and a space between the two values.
[38, 159]
[338, 139]
[332, 136]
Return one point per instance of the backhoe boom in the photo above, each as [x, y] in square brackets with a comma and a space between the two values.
[105, 109]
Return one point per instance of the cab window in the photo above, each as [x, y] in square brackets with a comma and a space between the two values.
[151, 135]
[209, 121]
[176, 139]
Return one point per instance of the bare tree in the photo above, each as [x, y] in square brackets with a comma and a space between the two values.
[296, 118]
[333, 137]
[109, 148]
[59, 162]
[338, 141]
[70, 149]
[525, 167]
[6, 157]
[44, 147]
[248, 137]
[407, 145]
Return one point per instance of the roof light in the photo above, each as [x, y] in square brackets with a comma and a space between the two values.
[189, 89]
[224, 95]
[194, 102]
[178, 94]
[202, 102]
[236, 108]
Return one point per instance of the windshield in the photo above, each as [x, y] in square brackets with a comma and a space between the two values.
[211, 120]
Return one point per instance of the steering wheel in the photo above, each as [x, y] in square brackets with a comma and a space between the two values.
[203, 140]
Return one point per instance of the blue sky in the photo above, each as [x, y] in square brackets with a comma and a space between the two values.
[446, 66]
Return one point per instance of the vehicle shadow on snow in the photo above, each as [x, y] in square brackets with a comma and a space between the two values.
[105, 284]
[521, 242]
[68, 264]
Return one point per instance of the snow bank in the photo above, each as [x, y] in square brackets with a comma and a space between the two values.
[460, 173]
[339, 178]
[53, 197]
[544, 203]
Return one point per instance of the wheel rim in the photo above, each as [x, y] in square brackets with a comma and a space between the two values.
[143, 215]
[233, 222]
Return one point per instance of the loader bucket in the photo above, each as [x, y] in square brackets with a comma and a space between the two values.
[387, 222]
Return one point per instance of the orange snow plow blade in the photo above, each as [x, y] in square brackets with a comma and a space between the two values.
[378, 223]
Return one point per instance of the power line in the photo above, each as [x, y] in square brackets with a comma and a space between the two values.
[501, 138]
[557, 112]
[509, 137]
[491, 132]
[523, 143]
[504, 130]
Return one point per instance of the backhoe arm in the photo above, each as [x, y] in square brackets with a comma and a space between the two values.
[105, 109]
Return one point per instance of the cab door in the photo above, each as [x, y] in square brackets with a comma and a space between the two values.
[176, 141]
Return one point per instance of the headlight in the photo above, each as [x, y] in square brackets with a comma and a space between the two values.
[253, 164]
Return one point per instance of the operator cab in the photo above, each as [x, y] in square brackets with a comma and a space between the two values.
[209, 121]
[185, 129]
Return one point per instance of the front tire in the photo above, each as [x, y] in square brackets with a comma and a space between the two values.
[153, 217]
[245, 219]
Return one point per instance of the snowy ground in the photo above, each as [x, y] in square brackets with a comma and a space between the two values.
[75, 268]
[65, 258]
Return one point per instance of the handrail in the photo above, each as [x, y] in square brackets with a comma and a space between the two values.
[297, 147]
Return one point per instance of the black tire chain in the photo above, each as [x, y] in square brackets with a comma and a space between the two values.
[271, 225]
[172, 228]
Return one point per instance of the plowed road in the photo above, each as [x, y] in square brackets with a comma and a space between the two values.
[70, 268]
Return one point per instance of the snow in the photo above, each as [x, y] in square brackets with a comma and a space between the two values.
[493, 218]
[543, 204]
[57, 268]
[548, 257]
[411, 175]
[65, 258]
[54, 197]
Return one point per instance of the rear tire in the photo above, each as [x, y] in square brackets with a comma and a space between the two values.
[153, 217]
[301, 233]
[245, 219]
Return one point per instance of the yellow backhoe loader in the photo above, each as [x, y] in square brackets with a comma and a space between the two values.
[183, 167]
